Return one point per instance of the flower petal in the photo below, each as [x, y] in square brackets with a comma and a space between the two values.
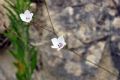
[61, 40]
[23, 17]
[27, 12]
[54, 46]
[54, 41]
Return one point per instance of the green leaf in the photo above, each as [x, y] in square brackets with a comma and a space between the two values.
[18, 34]
[13, 24]
[20, 76]
[33, 61]
[20, 48]
[10, 36]
[13, 54]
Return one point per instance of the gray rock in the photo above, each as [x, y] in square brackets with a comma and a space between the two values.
[86, 26]
[116, 22]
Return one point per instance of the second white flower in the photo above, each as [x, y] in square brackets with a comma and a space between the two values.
[26, 16]
[58, 43]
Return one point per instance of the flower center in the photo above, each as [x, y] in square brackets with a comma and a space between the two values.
[60, 45]
[27, 18]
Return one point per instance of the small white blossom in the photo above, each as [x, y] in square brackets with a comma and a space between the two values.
[26, 16]
[58, 43]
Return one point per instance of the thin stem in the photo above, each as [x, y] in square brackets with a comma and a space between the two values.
[50, 18]
[97, 65]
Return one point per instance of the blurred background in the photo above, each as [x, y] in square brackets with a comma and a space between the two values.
[91, 29]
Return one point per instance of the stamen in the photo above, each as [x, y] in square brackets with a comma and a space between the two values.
[27, 18]
[60, 45]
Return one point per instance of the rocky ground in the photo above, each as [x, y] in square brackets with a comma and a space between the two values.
[91, 30]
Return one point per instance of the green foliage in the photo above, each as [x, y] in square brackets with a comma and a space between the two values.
[18, 33]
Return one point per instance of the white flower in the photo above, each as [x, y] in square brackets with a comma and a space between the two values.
[58, 43]
[26, 16]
